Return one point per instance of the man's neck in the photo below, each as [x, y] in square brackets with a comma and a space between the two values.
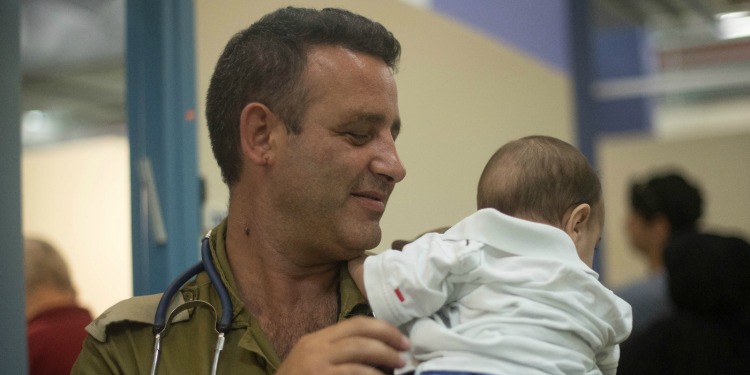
[288, 300]
[261, 260]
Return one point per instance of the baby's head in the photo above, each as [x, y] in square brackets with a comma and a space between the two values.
[545, 180]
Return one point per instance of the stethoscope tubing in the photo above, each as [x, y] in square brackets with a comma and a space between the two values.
[221, 288]
[222, 326]
[160, 318]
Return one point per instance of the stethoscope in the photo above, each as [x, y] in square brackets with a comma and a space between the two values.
[161, 320]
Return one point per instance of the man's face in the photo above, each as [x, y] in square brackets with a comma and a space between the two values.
[335, 177]
[639, 231]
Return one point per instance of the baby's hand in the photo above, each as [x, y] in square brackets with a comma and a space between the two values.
[357, 270]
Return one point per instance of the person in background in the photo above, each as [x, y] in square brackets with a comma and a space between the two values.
[509, 289]
[303, 117]
[663, 207]
[708, 329]
[54, 320]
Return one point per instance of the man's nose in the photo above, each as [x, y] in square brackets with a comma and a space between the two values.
[387, 163]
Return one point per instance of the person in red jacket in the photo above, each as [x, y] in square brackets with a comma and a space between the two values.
[54, 320]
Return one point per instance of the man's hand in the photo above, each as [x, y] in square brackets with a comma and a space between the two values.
[354, 346]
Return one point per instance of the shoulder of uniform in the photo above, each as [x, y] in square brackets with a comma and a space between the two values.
[139, 309]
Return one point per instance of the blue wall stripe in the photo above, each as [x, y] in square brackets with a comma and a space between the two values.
[582, 77]
[620, 53]
[537, 27]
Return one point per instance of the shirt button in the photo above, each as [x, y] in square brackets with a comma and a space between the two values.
[188, 295]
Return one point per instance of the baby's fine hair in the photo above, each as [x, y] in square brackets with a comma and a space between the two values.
[538, 178]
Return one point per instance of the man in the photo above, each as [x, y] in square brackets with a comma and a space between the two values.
[54, 320]
[662, 208]
[303, 115]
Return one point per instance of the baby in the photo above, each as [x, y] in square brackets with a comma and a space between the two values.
[508, 289]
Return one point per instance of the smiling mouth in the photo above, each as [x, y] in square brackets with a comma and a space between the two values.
[368, 196]
[374, 201]
[372, 195]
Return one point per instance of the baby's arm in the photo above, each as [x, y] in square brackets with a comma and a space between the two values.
[418, 281]
[357, 271]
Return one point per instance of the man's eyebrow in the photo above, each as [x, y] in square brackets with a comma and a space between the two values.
[370, 117]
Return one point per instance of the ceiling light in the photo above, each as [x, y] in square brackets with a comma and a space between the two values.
[37, 127]
[734, 25]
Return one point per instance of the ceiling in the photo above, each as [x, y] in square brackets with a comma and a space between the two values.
[673, 24]
[72, 55]
[647, 11]
[699, 55]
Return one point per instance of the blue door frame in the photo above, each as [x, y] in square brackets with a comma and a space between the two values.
[12, 316]
[160, 65]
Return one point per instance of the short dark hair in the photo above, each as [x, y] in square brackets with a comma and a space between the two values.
[669, 194]
[264, 63]
[538, 177]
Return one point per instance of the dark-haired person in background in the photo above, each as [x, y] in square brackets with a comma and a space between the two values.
[663, 207]
[708, 329]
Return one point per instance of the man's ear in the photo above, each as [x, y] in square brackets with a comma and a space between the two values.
[577, 220]
[257, 122]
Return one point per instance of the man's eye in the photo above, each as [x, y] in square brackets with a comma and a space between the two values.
[358, 138]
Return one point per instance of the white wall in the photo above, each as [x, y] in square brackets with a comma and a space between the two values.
[707, 118]
[77, 196]
[719, 163]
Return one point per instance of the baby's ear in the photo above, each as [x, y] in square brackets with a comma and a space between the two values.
[577, 220]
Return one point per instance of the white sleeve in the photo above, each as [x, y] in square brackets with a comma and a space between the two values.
[608, 359]
[416, 282]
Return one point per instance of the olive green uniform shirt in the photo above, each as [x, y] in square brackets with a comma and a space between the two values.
[121, 340]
